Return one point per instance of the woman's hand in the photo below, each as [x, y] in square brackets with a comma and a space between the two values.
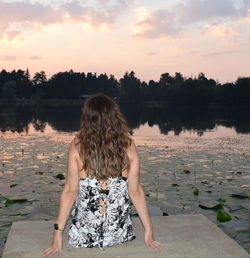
[150, 242]
[56, 245]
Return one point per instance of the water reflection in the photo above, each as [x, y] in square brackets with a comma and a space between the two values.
[171, 119]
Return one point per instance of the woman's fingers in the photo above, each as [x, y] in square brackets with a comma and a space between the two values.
[53, 252]
[154, 245]
[49, 252]
[158, 244]
[46, 251]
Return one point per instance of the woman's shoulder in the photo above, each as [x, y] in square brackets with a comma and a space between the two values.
[131, 143]
[74, 144]
[131, 150]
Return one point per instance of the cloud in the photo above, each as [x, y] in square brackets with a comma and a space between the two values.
[222, 32]
[14, 58]
[151, 53]
[8, 58]
[199, 10]
[173, 23]
[247, 18]
[17, 16]
[12, 34]
[215, 54]
[157, 24]
[35, 58]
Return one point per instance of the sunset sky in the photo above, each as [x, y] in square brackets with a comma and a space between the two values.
[114, 36]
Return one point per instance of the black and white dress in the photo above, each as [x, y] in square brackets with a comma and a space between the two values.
[92, 228]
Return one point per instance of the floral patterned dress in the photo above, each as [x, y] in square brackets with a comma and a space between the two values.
[91, 227]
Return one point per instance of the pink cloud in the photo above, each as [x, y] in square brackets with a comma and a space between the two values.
[173, 23]
[215, 54]
[8, 58]
[35, 58]
[159, 23]
[35, 15]
[222, 32]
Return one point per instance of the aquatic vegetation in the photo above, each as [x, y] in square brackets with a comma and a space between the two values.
[60, 176]
[186, 171]
[12, 201]
[196, 191]
[223, 216]
[221, 199]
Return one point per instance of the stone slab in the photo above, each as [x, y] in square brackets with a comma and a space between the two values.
[184, 236]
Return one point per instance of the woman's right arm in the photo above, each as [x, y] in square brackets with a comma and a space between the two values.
[138, 198]
[67, 200]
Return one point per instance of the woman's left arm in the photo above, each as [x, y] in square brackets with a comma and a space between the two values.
[67, 199]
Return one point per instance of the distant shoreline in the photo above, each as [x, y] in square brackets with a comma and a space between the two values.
[79, 103]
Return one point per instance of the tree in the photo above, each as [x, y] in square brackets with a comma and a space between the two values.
[130, 88]
[65, 85]
[39, 78]
[165, 82]
[9, 90]
[242, 90]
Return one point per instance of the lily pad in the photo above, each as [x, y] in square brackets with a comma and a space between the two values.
[236, 208]
[186, 171]
[221, 199]
[13, 185]
[223, 216]
[211, 205]
[175, 184]
[12, 201]
[39, 173]
[60, 176]
[20, 214]
[2, 198]
[242, 195]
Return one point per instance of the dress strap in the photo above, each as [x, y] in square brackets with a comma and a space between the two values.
[103, 192]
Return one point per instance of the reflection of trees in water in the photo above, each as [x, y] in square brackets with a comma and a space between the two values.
[176, 119]
[62, 119]
[14, 119]
[179, 119]
[18, 119]
[38, 125]
[237, 118]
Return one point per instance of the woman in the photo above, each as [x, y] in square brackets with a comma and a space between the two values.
[102, 173]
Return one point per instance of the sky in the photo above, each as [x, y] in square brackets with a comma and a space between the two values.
[150, 37]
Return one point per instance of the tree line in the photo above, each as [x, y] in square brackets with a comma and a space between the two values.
[176, 89]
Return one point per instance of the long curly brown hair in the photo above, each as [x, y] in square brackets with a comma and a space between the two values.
[103, 138]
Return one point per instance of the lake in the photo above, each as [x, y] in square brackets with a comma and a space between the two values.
[193, 160]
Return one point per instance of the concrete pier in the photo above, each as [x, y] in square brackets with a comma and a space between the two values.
[184, 236]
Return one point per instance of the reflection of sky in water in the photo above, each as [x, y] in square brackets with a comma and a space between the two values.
[31, 131]
[143, 131]
[220, 136]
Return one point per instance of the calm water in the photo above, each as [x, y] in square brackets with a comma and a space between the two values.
[213, 144]
[144, 121]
